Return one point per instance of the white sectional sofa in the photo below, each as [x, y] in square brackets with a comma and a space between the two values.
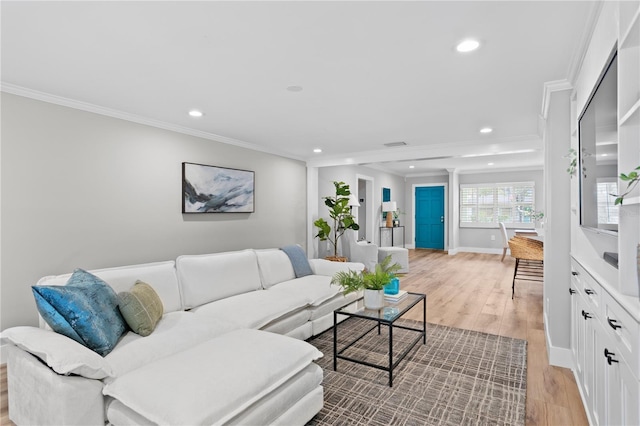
[229, 348]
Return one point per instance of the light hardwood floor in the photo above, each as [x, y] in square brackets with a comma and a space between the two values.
[473, 291]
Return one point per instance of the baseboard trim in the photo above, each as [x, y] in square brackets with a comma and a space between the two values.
[477, 250]
[560, 357]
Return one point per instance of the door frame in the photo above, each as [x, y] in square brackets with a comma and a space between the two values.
[369, 231]
[413, 211]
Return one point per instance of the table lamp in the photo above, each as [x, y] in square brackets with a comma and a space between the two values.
[389, 207]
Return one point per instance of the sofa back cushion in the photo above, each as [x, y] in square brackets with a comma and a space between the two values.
[209, 277]
[159, 275]
[275, 267]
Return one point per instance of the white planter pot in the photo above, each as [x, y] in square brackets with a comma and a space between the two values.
[373, 299]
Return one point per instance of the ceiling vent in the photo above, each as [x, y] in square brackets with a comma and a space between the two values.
[394, 144]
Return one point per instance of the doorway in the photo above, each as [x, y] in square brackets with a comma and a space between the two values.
[364, 215]
[430, 217]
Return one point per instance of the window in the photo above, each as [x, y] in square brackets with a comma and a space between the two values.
[607, 210]
[485, 205]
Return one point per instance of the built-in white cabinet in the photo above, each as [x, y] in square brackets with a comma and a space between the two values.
[606, 352]
[605, 295]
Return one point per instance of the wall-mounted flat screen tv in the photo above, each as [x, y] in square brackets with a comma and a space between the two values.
[598, 153]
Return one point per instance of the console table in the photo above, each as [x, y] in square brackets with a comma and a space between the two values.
[392, 232]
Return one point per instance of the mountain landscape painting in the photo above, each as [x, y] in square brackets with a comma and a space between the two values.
[211, 189]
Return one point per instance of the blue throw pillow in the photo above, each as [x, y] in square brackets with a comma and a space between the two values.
[85, 310]
[298, 260]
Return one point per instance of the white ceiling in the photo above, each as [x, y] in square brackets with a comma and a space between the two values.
[371, 73]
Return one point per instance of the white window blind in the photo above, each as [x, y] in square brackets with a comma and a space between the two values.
[485, 205]
[607, 210]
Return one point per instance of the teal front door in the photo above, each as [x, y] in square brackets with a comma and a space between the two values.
[429, 204]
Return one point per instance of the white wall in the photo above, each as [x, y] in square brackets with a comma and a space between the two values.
[557, 243]
[85, 190]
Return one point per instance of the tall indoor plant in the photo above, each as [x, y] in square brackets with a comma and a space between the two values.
[340, 213]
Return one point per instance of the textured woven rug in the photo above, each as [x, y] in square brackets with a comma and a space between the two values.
[460, 377]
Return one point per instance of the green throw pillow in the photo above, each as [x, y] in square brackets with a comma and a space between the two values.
[141, 308]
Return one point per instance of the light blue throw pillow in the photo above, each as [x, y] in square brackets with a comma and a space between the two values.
[298, 260]
[85, 310]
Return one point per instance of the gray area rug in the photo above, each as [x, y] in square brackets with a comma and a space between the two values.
[460, 377]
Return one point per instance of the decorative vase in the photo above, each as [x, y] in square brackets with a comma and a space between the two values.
[393, 287]
[373, 299]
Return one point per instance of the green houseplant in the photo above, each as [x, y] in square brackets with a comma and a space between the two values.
[340, 213]
[632, 179]
[372, 282]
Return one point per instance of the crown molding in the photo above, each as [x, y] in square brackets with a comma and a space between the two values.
[548, 88]
[502, 170]
[587, 33]
[97, 109]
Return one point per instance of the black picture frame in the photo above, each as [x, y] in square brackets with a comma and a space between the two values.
[214, 189]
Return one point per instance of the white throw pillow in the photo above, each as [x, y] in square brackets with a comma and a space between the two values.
[62, 354]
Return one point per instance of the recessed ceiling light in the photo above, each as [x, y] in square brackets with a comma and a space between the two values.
[486, 130]
[467, 45]
[317, 150]
[196, 113]
[604, 155]
[489, 164]
[412, 167]
[294, 88]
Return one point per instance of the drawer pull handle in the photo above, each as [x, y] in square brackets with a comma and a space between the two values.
[585, 314]
[574, 273]
[589, 291]
[609, 356]
[613, 323]
[572, 291]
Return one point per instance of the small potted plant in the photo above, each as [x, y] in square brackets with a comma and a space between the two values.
[340, 212]
[372, 282]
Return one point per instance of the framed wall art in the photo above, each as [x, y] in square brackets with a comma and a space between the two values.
[211, 189]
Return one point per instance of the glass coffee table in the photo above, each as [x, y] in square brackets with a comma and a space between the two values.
[386, 316]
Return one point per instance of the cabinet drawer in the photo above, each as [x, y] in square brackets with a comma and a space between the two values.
[588, 287]
[624, 331]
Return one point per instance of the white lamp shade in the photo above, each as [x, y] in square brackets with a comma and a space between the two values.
[389, 206]
[353, 201]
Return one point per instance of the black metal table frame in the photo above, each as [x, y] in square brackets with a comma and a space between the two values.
[380, 321]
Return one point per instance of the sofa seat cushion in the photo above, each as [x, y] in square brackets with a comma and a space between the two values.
[330, 305]
[175, 332]
[287, 323]
[254, 309]
[315, 289]
[266, 411]
[214, 381]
